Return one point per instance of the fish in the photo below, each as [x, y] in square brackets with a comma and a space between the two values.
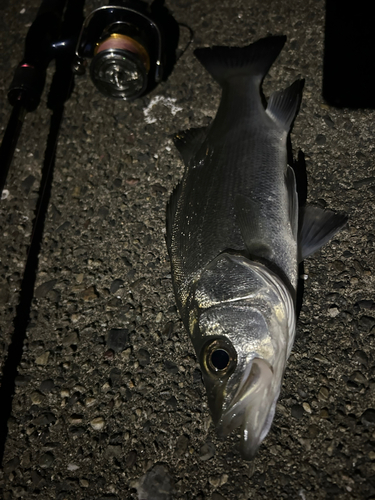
[236, 234]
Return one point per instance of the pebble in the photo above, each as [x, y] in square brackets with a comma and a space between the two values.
[113, 450]
[322, 359]
[28, 182]
[143, 357]
[297, 411]
[172, 402]
[46, 418]
[35, 477]
[37, 398]
[358, 377]
[97, 423]
[324, 413]
[46, 460]
[170, 367]
[130, 459]
[71, 339]
[4, 295]
[366, 323]
[90, 402]
[159, 317]
[90, 294]
[306, 407]
[313, 430]
[72, 467]
[115, 285]
[47, 386]
[217, 496]
[118, 339]
[365, 304]
[214, 481]
[320, 139]
[323, 394]
[207, 451]
[75, 419]
[115, 377]
[84, 483]
[333, 312]
[368, 417]
[43, 289]
[182, 444]
[109, 354]
[156, 484]
[361, 357]
[11, 465]
[42, 360]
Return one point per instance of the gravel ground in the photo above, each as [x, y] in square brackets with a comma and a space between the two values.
[109, 401]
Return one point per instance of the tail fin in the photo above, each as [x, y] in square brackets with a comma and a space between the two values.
[254, 60]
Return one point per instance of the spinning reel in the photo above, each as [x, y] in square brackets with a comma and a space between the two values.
[131, 45]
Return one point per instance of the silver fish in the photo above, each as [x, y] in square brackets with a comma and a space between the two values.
[235, 236]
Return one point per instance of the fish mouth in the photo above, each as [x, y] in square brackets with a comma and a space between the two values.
[252, 408]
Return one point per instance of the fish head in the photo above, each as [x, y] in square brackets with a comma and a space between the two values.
[243, 347]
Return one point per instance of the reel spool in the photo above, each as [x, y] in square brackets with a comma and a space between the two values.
[126, 48]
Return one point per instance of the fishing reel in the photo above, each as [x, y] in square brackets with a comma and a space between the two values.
[132, 47]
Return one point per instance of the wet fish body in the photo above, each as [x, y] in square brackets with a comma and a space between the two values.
[235, 235]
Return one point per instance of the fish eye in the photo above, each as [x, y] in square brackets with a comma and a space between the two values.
[219, 357]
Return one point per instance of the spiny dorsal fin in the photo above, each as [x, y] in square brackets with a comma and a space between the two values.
[253, 60]
[283, 105]
[316, 228]
[188, 141]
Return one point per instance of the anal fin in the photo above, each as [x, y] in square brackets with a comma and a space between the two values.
[317, 227]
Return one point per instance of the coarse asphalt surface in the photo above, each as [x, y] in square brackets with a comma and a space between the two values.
[109, 402]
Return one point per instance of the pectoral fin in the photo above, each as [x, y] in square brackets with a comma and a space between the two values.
[290, 182]
[171, 211]
[317, 227]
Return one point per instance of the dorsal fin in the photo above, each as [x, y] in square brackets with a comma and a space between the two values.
[283, 105]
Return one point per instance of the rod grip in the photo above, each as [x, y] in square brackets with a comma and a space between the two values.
[30, 75]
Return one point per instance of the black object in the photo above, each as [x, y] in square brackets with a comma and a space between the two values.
[60, 91]
[132, 47]
[29, 79]
[349, 54]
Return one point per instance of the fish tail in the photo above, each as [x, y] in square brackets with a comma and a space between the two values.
[252, 61]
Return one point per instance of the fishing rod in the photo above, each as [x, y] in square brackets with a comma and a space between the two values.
[25, 94]
[29, 79]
